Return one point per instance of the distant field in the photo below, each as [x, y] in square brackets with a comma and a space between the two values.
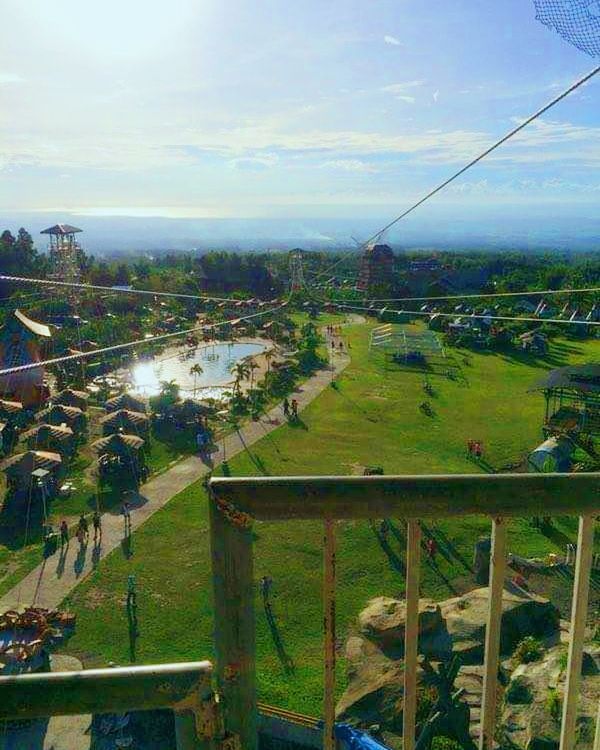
[372, 418]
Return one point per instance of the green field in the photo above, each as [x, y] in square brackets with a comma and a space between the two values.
[372, 417]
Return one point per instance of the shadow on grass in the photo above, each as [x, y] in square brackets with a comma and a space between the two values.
[285, 659]
[256, 460]
[297, 423]
[394, 560]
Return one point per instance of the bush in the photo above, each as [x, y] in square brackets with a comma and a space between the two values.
[445, 743]
[553, 704]
[528, 650]
[518, 691]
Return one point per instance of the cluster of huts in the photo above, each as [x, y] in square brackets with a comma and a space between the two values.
[52, 436]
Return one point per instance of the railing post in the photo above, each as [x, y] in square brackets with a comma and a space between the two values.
[234, 627]
[329, 635]
[581, 588]
[492, 633]
[597, 733]
[411, 633]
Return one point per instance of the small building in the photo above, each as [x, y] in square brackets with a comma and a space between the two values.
[126, 401]
[70, 397]
[376, 268]
[120, 452]
[11, 411]
[32, 470]
[51, 437]
[534, 341]
[572, 397]
[125, 420]
[21, 344]
[71, 416]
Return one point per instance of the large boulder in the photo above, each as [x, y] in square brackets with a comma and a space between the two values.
[383, 620]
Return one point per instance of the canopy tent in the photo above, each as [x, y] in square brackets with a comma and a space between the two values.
[553, 455]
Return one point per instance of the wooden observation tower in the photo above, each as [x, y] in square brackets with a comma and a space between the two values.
[65, 252]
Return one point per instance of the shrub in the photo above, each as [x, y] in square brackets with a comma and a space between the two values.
[445, 743]
[518, 691]
[529, 649]
[553, 704]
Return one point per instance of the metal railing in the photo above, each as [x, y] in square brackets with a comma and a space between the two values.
[232, 720]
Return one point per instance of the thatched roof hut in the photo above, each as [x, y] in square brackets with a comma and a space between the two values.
[58, 438]
[70, 415]
[10, 409]
[126, 401]
[128, 421]
[118, 444]
[70, 397]
[20, 467]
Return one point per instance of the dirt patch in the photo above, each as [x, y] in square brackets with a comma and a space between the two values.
[96, 598]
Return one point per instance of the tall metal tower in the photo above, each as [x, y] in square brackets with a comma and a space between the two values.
[296, 262]
[65, 252]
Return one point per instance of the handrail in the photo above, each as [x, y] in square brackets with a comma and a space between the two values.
[237, 501]
[406, 496]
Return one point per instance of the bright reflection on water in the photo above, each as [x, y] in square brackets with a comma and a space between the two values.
[215, 360]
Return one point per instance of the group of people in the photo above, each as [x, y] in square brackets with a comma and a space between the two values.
[290, 408]
[474, 449]
[82, 533]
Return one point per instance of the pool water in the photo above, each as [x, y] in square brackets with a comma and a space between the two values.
[216, 361]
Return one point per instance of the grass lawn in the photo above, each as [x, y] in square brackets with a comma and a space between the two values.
[371, 418]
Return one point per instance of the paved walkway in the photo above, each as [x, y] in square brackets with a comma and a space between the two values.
[49, 583]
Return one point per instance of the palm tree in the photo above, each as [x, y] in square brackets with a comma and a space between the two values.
[196, 370]
[253, 366]
[268, 358]
[241, 371]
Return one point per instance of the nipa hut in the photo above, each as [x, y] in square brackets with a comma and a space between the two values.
[70, 415]
[125, 401]
[121, 452]
[124, 420]
[23, 469]
[21, 344]
[70, 397]
[51, 437]
[11, 411]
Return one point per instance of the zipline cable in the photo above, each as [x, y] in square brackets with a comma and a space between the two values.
[543, 292]
[573, 87]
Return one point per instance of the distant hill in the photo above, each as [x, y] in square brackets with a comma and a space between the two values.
[439, 227]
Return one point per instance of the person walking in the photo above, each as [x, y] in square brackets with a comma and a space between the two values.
[64, 533]
[126, 517]
[431, 546]
[266, 584]
[83, 526]
[97, 524]
[294, 408]
[286, 407]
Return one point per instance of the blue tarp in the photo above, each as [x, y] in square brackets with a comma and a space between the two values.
[354, 739]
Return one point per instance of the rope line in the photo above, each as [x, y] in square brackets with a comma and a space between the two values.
[542, 292]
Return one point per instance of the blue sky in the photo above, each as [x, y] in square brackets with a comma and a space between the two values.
[264, 108]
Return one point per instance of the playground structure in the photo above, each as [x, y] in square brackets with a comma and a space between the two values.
[399, 346]
[572, 397]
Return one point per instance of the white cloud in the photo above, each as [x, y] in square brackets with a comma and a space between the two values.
[6, 78]
[392, 40]
[350, 165]
[400, 88]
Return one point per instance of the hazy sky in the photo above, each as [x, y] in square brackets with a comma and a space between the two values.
[281, 108]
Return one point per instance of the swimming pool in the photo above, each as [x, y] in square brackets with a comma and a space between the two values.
[216, 361]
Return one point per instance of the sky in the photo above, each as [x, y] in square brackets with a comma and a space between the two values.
[270, 108]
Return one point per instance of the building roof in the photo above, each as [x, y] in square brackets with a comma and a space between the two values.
[59, 433]
[61, 229]
[135, 417]
[38, 328]
[125, 401]
[117, 443]
[71, 397]
[579, 378]
[10, 407]
[28, 462]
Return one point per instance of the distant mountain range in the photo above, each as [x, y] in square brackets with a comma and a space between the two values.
[116, 235]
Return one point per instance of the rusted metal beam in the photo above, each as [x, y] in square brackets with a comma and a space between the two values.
[35, 696]
[434, 496]
[579, 611]
[329, 742]
[411, 634]
[492, 634]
